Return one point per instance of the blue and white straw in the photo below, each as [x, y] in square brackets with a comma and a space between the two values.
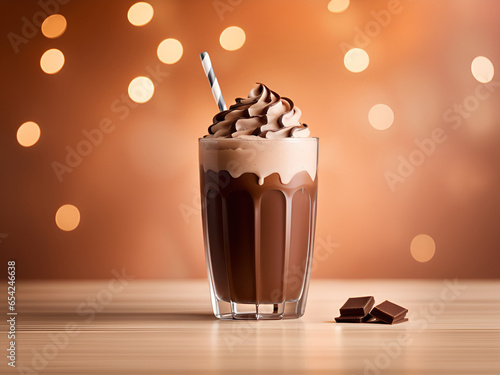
[212, 79]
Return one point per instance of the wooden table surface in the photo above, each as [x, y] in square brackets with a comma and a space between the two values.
[157, 327]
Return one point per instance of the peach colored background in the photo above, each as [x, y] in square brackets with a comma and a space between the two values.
[133, 189]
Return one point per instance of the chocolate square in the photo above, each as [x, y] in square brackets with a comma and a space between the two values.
[357, 306]
[389, 312]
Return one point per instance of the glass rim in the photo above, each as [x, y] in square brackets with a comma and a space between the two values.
[259, 139]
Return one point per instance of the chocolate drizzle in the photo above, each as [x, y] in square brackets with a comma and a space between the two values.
[263, 114]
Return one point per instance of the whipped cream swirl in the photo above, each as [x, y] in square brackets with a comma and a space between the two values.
[263, 114]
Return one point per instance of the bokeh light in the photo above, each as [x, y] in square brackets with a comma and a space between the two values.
[67, 217]
[422, 248]
[28, 134]
[356, 60]
[52, 61]
[482, 69]
[232, 38]
[338, 6]
[381, 116]
[54, 26]
[169, 51]
[140, 14]
[141, 89]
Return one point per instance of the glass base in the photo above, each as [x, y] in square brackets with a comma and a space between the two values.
[262, 311]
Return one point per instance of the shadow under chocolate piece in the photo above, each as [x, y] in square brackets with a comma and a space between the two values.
[372, 319]
[355, 310]
[353, 319]
[389, 313]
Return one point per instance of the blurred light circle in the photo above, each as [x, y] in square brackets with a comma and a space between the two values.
[28, 134]
[54, 26]
[140, 14]
[52, 61]
[141, 89]
[356, 60]
[482, 69]
[381, 116]
[169, 51]
[67, 217]
[232, 38]
[422, 248]
[338, 6]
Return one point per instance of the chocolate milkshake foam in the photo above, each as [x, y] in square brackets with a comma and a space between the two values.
[258, 171]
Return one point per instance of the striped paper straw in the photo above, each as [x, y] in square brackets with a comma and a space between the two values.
[212, 79]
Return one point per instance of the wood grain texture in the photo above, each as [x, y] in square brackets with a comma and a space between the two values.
[157, 327]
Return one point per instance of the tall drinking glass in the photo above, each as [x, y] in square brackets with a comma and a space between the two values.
[259, 214]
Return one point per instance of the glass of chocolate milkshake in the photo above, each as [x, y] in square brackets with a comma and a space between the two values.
[258, 169]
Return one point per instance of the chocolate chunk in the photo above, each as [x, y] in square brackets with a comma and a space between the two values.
[372, 319]
[389, 312]
[352, 319]
[357, 306]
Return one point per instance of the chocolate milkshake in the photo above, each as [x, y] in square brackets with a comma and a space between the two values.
[258, 171]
